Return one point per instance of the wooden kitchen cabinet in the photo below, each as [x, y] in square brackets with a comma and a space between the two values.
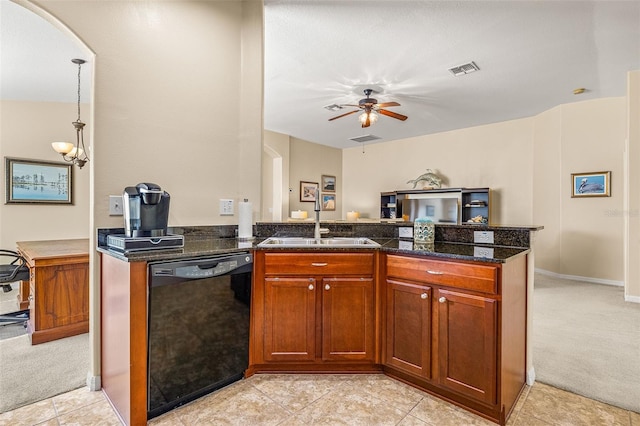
[58, 288]
[468, 325]
[313, 311]
[467, 343]
[408, 327]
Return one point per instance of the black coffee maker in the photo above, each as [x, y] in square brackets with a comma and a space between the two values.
[146, 210]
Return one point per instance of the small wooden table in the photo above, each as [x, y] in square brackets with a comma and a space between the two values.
[58, 289]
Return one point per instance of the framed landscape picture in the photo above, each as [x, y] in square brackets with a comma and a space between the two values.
[328, 202]
[37, 182]
[308, 191]
[592, 184]
[328, 183]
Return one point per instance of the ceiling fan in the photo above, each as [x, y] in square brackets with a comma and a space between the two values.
[370, 109]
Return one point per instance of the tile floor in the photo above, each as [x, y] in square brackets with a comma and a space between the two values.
[289, 400]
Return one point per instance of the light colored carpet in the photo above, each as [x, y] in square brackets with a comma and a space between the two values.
[33, 373]
[586, 339]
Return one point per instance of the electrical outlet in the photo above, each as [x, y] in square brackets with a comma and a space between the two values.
[226, 207]
[486, 252]
[405, 232]
[483, 237]
[115, 205]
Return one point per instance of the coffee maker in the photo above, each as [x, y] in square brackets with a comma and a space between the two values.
[146, 210]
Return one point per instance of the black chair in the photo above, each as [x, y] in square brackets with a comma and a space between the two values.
[15, 270]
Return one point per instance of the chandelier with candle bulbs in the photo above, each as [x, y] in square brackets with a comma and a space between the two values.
[76, 154]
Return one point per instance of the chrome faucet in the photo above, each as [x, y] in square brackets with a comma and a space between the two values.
[317, 231]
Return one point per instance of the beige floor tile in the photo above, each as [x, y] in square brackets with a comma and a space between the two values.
[412, 421]
[239, 404]
[559, 407]
[169, 419]
[33, 414]
[348, 406]
[436, 412]
[50, 422]
[511, 421]
[295, 391]
[76, 399]
[388, 390]
[96, 414]
[635, 418]
[524, 420]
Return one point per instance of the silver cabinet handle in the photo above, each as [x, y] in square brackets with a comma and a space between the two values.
[327, 287]
[310, 286]
[424, 296]
[319, 264]
[442, 299]
[434, 272]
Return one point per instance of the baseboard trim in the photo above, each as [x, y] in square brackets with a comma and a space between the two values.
[579, 278]
[93, 382]
[531, 376]
[633, 299]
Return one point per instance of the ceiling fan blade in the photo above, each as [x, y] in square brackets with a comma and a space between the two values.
[392, 114]
[387, 104]
[342, 115]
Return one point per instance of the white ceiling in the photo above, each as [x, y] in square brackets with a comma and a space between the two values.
[531, 55]
[35, 59]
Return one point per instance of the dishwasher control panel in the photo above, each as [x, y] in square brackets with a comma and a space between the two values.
[202, 268]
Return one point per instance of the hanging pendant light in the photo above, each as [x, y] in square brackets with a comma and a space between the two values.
[76, 154]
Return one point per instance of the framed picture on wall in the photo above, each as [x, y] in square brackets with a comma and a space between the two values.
[328, 202]
[308, 191]
[591, 184]
[37, 182]
[328, 183]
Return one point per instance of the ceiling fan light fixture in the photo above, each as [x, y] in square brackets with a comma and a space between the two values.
[368, 118]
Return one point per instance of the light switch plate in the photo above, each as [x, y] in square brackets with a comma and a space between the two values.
[226, 207]
[115, 205]
[483, 237]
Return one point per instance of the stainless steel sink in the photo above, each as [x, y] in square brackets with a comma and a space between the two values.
[322, 242]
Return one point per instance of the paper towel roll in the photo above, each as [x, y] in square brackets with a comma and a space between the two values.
[245, 220]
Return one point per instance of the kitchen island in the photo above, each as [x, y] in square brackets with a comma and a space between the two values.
[362, 287]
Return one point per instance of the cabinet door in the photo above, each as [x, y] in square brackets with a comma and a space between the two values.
[289, 331]
[62, 294]
[347, 319]
[408, 322]
[466, 345]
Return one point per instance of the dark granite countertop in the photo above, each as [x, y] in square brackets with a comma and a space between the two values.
[206, 246]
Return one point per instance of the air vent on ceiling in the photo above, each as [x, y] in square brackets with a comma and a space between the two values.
[464, 69]
[333, 107]
[365, 138]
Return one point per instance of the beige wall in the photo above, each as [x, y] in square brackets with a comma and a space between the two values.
[527, 163]
[26, 131]
[308, 162]
[631, 211]
[275, 165]
[592, 140]
[496, 156]
[177, 101]
[168, 101]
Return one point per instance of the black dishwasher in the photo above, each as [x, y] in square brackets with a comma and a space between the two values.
[198, 328]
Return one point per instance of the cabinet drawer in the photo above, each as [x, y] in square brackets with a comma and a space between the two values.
[452, 274]
[319, 263]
